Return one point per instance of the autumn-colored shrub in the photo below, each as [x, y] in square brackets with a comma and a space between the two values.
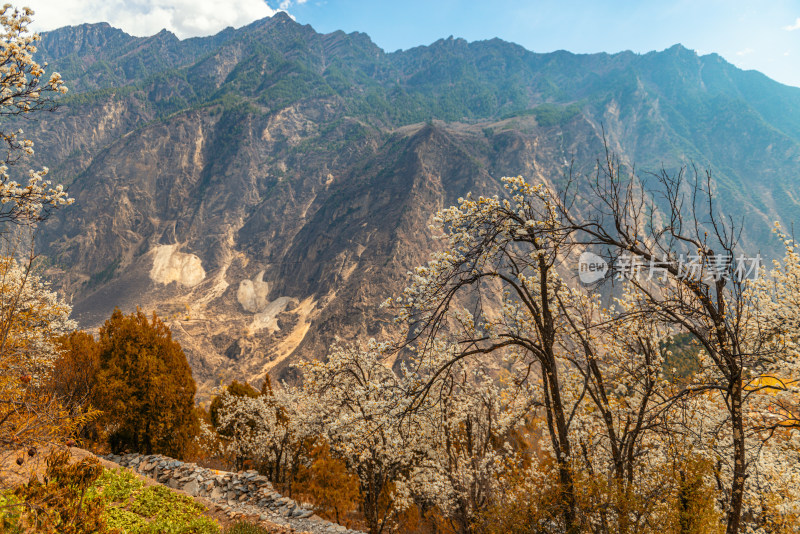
[692, 503]
[74, 377]
[145, 387]
[530, 503]
[75, 370]
[329, 485]
[59, 505]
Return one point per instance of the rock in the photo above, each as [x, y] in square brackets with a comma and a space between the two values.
[192, 487]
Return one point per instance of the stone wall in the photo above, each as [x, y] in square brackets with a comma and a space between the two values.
[242, 493]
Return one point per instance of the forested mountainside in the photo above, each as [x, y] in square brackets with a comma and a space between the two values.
[267, 187]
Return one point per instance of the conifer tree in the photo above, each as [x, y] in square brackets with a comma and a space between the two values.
[145, 386]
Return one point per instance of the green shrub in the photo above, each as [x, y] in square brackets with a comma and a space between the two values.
[10, 507]
[135, 509]
[125, 520]
[157, 500]
[246, 528]
[182, 525]
[117, 485]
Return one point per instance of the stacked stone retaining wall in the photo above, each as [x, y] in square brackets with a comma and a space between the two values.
[243, 493]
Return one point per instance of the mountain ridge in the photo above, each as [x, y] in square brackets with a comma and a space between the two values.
[299, 170]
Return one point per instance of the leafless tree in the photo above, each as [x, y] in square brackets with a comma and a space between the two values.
[675, 228]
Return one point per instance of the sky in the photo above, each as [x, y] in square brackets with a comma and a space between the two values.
[764, 36]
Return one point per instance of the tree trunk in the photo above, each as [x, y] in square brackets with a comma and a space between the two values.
[563, 451]
[737, 487]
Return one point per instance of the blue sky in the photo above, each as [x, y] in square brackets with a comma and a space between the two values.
[752, 35]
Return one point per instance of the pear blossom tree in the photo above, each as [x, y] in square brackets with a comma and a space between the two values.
[270, 429]
[32, 317]
[445, 454]
[24, 89]
[31, 314]
[358, 411]
[467, 426]
[676, 227]
[777, 298]
[771, 386]
[495, 290]
[622, 422]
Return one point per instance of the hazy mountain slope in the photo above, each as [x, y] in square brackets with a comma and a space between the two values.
[266, 188]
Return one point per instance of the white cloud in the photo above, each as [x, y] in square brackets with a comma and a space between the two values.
[286, 4]
[745, 52]
[184, 18]
[793, 27]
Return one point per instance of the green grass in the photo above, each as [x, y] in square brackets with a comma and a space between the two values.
[132, 508]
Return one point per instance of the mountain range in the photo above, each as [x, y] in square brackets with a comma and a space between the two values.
[265, 188]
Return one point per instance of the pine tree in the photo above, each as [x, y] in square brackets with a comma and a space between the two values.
[145, 387]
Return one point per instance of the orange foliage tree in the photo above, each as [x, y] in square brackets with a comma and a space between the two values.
[329, 485]
[75, 370]
[145, 387]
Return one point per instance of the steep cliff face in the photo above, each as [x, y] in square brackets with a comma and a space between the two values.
[266, 188]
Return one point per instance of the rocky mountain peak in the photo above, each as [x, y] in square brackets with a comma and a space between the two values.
[267, 187]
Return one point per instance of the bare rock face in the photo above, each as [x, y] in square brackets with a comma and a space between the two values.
[169, 266]
[252, 294]
[266, 188]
